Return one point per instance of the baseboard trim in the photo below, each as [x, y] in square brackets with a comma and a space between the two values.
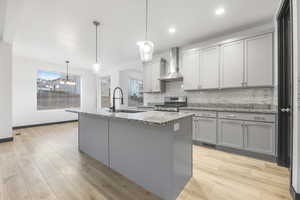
[44, 124]
[6, 139]
[259, 156]
[295, 195]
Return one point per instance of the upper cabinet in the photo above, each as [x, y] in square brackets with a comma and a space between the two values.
[152, 72]
[259, 61]
[190, 70]
[232, 65]
[209, 68]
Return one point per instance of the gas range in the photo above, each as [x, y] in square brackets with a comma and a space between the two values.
[172, 104]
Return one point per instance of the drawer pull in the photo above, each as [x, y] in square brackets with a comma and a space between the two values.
[230, 116]
[259, 118]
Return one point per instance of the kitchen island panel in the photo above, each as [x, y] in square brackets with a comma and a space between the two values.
[157, 158]
[93, 137]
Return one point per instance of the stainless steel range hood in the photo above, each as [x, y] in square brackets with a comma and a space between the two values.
[174, 73]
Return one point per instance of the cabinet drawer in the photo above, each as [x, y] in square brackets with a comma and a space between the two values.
[248, 116]
[197, 113]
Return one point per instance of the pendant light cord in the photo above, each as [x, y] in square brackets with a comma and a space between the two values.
[96, 43]
[67, 70]
[147, 7]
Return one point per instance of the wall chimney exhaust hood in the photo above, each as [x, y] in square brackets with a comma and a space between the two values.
[174, 73]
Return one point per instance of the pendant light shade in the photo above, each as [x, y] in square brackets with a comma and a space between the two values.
[146, 50]
[97, 65]
[146, 47]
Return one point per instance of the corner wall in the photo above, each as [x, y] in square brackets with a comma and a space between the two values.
[25, 92]
[5, 90]
[296, 113]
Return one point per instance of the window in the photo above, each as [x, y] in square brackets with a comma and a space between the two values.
[54, 93]
[135, 92]
[105, 92]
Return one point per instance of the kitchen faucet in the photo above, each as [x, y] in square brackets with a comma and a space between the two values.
[113, 108]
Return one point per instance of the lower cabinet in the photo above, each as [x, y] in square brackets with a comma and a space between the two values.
[231, 133]
[248, 132]
[205, 130]
[260, 137]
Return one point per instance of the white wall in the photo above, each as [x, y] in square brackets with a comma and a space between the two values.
[296, 117]
[5, 90]
[25, 92]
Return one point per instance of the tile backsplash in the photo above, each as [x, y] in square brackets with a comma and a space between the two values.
[232, 96]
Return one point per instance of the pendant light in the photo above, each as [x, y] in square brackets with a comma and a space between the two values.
[146, 47]
[97, 64]
[67, 81]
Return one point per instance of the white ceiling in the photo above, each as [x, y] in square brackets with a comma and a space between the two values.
[56, 30]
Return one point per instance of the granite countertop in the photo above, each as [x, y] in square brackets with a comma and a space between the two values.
[147, 117]
[244, 110]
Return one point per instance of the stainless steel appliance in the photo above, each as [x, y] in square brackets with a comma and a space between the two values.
[172, 104]
[174, 70]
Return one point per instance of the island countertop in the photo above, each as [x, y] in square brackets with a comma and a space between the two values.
[147, 117]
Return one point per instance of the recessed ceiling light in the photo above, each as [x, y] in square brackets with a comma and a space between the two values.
[220, 11]
[172, 30]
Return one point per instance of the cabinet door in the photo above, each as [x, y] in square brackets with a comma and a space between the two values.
[232, 65]
[148, 77]
[259, 60]
[260, 137]
[156, 69]
[206, 130]
[209, 68]
[231, 133]
[190, 70]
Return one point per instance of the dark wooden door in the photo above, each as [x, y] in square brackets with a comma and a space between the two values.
[285, 85]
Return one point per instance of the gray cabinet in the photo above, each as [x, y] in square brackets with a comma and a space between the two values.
[259, 61]
[152, 72]
[190, 70]
[260, 137]
[249, 132]
[232, 65]
[205, 130]
[231, 133]
[209, 68]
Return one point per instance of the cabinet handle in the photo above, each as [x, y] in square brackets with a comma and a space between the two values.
[259, 118]
[231, 116]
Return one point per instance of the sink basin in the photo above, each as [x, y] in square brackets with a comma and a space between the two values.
[129, 111]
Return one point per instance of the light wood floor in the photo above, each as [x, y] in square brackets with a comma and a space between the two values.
[44, 163]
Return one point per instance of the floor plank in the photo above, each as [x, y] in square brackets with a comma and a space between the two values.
[43, 163]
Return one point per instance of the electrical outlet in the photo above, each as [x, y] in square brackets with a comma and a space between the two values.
[176, 127]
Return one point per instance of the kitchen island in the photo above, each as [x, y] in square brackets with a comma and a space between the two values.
[153, 149]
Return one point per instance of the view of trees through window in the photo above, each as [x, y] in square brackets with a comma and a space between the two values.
[54, 92]
[135, 92]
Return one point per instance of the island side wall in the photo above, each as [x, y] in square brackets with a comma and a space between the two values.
[93, 137]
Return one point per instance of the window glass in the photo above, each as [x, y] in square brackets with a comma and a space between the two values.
[54, 91]
[135, 92]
